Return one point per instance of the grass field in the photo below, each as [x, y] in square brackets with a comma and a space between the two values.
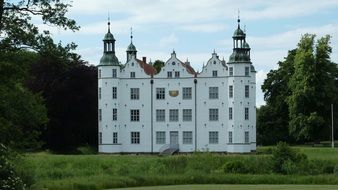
[237, 187]
[81, 172]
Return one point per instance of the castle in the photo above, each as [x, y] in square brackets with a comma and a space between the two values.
[177, 109]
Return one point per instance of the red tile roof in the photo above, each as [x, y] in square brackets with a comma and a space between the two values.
[148, 69]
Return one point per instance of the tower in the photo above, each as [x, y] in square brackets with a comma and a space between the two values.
[131, 50]
[241, 98]
[108, 78]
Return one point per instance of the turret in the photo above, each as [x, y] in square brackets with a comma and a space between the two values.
[131, 50]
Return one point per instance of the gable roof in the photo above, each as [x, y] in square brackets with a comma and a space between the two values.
[148, 69]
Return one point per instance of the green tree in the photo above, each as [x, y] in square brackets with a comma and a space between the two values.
[313, 89]
[158, 64]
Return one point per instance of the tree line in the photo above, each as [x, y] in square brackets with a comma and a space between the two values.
[299, 94]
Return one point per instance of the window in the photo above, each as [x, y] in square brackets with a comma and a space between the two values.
[187, 114]
[231, 71]
[230, 113]
[132, 74]
[100, 137]
[114, 114]
[177, 74]
[247, 69]
[160, 115]
[246, 114]
[160, 137]
[134, 115]
[213, 114]
[213, 92]
[134, 93]
[247, 91]
[214, 73]
[173, 115]
[231, 91]
[135, 137]
[160, 93]
[100, 93]
[100, 114]
[114, 75]
[114, 92]
[213, 137]
[246, 136]
[186, 93]
[230, 136]
[187, 137]
[169, 74]
[115, 138]
[99, 73]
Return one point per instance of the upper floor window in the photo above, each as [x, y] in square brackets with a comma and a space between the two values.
[114, 92]
[134, 115]
[99, 93]
[115, 139]
[114, 74]
[100, 114]
[160, 115]
[186, 93]
[231, 71]
[214, 73]
[132, 74]
[247, 70]
[213, 137]
[134, 93]
[213, 114]
[247, 91]
[99, 75]
[187, 114]
[100, 137]
[246, 113]
[230, 113]
[135, 137]
[177, 74]
[231, 91]
[114, 114]
[173, 115]
[160, 93]
[213, 92]
[170, 74]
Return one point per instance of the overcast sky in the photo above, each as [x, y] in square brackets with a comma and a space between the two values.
[195, 28]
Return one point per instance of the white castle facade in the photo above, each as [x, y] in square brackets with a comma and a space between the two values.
[142, 111]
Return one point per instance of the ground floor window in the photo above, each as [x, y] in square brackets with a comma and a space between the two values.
[115, 140]
[187, 137]
[160, 137]
[100, 138]
[230, 136]
[246, 136]
[213, 137]
[135, 137]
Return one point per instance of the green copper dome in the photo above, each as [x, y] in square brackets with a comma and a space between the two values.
[109, 59]
[246, 45]
[239, 33]
[109, 37]
[131, 47]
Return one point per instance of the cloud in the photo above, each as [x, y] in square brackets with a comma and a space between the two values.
[168, 40]
[208, 28]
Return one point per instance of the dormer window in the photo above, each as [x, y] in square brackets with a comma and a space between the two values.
[214, 73]
[132, 74]
[177, 74]
[169, 74]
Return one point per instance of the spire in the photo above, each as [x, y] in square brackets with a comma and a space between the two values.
[131, 34]
[238, 19]
[108, 22]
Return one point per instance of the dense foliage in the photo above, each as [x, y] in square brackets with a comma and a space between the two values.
[299, 94]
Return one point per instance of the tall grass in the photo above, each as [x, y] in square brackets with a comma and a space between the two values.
[80, 172]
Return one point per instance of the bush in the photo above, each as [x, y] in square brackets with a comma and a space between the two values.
[234, 167]
[285, 159]
[8, 176]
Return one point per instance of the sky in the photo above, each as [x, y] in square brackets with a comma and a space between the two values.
[194, 29]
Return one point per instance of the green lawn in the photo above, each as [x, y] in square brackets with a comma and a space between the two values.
[81, 172]
[237, 187]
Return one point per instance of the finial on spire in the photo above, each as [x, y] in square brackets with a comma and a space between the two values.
[238, 19]
[108, 22]
[131, 34]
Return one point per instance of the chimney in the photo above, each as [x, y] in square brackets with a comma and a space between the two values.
[144, 59]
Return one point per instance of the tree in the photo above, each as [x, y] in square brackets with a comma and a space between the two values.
[158, 64]
[313, 89]
[16, 28]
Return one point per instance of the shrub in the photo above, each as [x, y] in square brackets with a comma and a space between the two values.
[8, 176]
[285, 159]
[234, 167]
